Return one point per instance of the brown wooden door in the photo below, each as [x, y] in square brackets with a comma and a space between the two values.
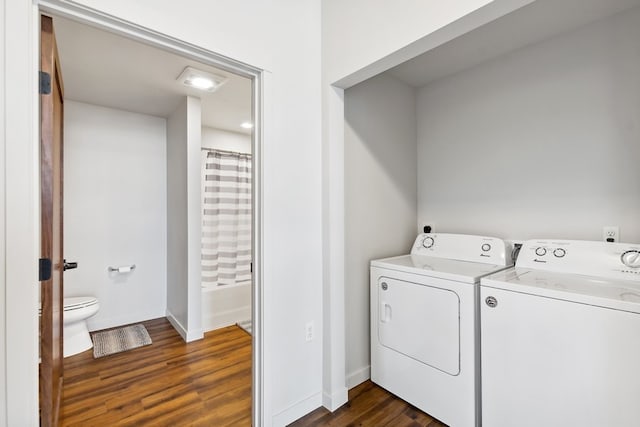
[51, 109]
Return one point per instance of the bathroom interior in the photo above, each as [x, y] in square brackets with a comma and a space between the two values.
[140, 148]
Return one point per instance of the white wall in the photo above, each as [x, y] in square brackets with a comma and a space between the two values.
[283, 37]
[357, 34]
[177, 244]
[115, 211]
[542, 142]
[194, 218]
[184, 219]
[3, 332]
[20, 169]
[380, 198]
[225, 140]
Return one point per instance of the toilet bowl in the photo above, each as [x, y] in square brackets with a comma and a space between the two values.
[75, 334]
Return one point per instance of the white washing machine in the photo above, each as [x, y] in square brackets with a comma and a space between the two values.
[424, 322]
[561, 337]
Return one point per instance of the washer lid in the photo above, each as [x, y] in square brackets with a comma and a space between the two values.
[443, 268]
[73, 303]
[608, 293]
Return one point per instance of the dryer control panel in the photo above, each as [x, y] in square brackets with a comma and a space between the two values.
[463, 247]
[600, 259]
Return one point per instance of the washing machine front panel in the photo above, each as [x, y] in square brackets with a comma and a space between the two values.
[560, 336]
[421, 321]
[557, 363]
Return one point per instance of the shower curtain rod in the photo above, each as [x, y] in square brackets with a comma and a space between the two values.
[223, 151]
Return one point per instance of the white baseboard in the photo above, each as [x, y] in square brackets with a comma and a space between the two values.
[177, 325]
[297, 411]
[358, 377]
[335, 400]
[187, 335]
[97, 323]
[194, 335]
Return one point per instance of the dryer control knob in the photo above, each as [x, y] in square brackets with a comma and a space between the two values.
[427, 242]
[631, 258]
[486, 247]
[559, 253]
[541, 251]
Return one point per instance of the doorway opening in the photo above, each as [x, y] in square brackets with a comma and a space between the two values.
[119, 150]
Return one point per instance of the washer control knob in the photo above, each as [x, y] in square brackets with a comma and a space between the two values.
[491, 302]
[427, 242]
[384, 286]
[631, 258]
[559, 253]
[541, 251]
[486, 247]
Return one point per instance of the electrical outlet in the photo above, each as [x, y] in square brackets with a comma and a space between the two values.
[611, 233]
[308, 332]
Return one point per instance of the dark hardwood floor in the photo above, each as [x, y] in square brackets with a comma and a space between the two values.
[168, 383]
[370, 406]
[202, 383]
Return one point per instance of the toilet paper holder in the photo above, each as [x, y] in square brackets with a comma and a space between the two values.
[122, 269]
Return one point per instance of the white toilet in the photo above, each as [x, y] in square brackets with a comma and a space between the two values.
[75, 334]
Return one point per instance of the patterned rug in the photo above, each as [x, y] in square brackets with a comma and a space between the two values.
[246, 325]
[119, 340]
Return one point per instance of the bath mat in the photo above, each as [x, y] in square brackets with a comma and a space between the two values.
[246, 325]
[119, 340]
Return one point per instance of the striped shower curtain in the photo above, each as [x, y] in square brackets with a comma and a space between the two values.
[226, 218]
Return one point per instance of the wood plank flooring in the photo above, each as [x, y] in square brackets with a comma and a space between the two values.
[168, 383]
[203, 383]
[370, 406]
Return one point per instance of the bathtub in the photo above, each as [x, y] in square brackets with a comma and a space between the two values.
[225, 305]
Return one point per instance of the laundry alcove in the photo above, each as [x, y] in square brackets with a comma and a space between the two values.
[525, 127]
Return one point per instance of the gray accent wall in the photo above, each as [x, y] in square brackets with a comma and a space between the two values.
[380, 198]
[541, 143]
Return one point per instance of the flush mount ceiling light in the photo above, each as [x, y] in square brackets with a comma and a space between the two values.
[201, 79]
[246, 125]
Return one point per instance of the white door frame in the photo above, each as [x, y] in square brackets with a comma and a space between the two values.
[20, 267]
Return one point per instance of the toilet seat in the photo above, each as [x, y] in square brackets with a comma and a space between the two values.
[75, 303]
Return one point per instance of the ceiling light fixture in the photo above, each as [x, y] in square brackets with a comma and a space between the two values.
[246, 125]
[201, 80]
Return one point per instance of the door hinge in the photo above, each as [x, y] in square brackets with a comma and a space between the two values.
[44, 271]
[45, 83]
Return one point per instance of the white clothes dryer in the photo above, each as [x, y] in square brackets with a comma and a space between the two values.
[424, 337]
[561, 336]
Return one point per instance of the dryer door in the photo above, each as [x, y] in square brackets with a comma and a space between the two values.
[421, 322]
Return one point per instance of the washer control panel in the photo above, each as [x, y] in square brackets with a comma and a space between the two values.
[631, 258]
[601, 259]
[462, 247]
